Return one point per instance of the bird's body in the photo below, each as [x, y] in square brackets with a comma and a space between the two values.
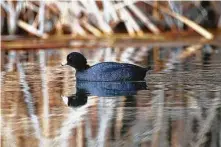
[111, 71]
[105, 71]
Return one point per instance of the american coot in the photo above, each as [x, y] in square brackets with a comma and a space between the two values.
[105, 71]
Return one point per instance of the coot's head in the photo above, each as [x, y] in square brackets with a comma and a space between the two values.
[77, 60]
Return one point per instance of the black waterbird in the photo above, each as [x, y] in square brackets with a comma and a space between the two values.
[105, 71]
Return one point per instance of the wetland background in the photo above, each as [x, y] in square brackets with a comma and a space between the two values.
[179, 41]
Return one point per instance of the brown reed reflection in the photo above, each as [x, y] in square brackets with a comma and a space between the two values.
[180, 107]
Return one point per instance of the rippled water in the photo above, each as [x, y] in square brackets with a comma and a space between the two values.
[41, 104]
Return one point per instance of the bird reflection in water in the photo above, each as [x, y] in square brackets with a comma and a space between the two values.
[108, 94]
[102, 89]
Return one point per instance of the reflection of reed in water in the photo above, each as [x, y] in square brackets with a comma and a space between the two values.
[129, 115]
[74, 119]
[183, 105]
[29, 102]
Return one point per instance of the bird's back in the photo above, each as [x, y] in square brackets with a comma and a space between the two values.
[112, 71]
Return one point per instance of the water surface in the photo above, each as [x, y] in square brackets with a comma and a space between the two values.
[178, 106]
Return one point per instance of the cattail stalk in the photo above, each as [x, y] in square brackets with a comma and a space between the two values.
[187, 21]
[31, 29]
[144, 19]
[41, 17]
[130, 20]
[12, 13]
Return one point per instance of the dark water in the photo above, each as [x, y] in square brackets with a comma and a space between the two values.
[177, 105]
